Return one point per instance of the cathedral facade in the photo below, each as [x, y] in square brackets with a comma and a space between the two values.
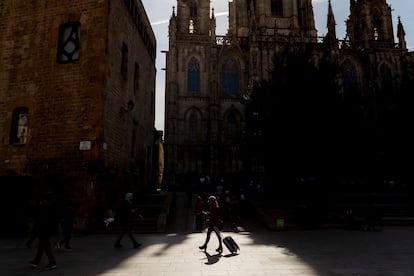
[210, 77]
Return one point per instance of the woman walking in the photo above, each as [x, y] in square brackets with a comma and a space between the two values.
[214, 223]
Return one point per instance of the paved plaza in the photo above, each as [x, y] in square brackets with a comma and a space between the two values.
[313, 252]
[330, 252]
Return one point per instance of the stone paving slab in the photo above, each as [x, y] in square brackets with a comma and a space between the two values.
[285, 253]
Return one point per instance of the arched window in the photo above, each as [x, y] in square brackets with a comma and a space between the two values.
[193, 75]
[19, 126]
[230, 77]
[349, 78]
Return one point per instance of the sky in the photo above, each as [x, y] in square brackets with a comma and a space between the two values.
[160, 11]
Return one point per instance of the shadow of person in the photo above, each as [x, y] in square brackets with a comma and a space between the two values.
[212, 259]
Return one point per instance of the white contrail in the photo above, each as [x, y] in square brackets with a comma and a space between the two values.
[165, 21]
[221, 14]
[159, 22]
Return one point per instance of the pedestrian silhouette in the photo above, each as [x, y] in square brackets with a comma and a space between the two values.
[214, 223]
[47, 224]
[34, 232]
[126, 216]
[67, 222]
[198, 211]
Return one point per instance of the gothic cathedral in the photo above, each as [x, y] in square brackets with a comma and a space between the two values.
[209, 77]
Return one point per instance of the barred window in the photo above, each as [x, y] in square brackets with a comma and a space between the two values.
[19, 126]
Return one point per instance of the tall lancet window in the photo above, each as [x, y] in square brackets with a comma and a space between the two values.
[230, 77]
[193, 75]
[193, 11]
[349, 79]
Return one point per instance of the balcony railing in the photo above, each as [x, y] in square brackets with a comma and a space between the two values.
[342, 43]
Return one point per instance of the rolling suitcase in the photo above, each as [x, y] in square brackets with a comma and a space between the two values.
[231, 245]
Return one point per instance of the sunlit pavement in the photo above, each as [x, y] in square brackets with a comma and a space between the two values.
[308, 252]
[338, 252]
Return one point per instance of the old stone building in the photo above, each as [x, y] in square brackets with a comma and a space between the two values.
[209, 77]
[77, 84]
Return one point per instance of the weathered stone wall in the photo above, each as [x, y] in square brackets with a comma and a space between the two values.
[85, 100]
[64, 100]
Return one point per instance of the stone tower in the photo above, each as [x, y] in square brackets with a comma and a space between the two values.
[370, 23]
[77, 101]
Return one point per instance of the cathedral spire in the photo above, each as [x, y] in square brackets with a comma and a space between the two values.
[331, 25]
[330, 38]
[401, 35]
